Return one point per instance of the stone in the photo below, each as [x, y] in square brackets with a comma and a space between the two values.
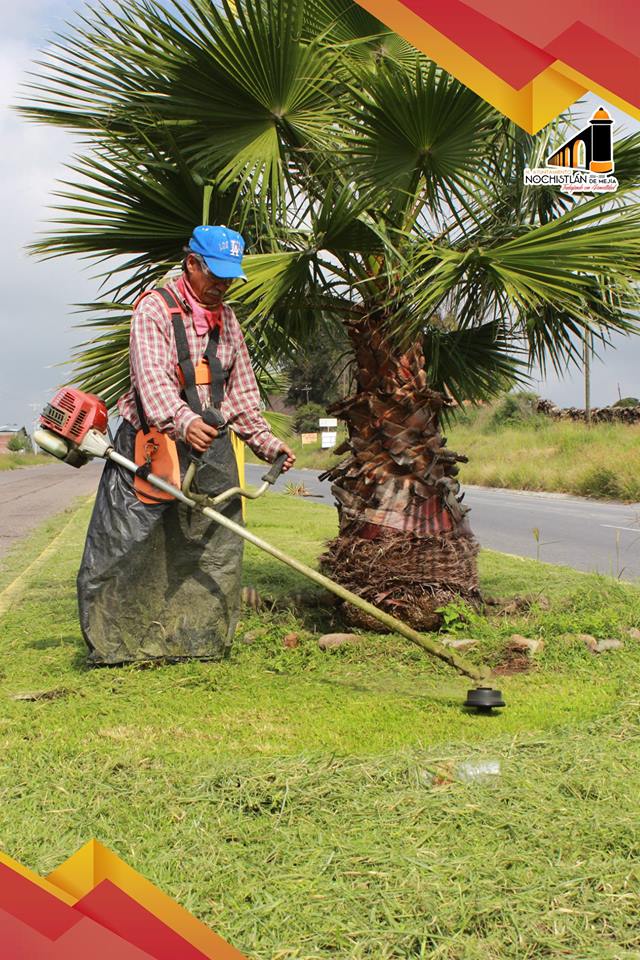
[252, 635]
[610, 643]
[634, 633]
[590, 642]
[463, 643]
[521, 644]
[331, 641]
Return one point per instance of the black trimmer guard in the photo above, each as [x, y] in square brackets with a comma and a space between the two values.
[484, 699]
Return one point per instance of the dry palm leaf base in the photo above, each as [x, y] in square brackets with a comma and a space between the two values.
[408, 577]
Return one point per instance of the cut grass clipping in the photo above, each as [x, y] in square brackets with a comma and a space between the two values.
[314, 805]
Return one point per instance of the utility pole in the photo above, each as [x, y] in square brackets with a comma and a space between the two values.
[587, 376]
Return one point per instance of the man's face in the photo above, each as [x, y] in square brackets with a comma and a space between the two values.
[208, 288]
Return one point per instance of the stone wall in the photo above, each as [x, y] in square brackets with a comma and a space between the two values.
[598, 414]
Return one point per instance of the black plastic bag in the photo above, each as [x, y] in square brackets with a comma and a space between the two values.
[160, 580]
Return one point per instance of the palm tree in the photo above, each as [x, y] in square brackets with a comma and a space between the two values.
[379, 196]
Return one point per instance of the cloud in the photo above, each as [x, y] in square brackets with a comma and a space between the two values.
[35, 316]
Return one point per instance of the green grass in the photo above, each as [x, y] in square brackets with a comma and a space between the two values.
[306, 804]
[12, 461]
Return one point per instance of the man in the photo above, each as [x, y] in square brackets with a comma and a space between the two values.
[158, 579]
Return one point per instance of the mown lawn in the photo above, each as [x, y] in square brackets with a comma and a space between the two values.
[310, 805]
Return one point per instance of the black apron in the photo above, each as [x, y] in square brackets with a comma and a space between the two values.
[161, 580]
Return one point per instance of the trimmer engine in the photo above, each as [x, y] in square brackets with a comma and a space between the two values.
[74, 427]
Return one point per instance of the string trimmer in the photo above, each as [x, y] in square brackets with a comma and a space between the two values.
[74, 429]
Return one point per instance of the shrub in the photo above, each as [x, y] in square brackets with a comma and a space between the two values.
[19, 442]
[514, 408]
[627, 402]
[464, 415]
[306, 417]
[601, 481]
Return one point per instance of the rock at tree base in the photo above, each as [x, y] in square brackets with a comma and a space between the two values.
[331, 641]
[520, 644]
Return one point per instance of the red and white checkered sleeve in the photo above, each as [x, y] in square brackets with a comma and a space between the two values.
[153, 369]
[241, 406]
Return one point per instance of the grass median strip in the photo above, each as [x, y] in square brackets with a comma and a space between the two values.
[12, 592]
[309, 805]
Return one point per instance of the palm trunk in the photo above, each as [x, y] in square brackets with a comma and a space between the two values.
[404, 541]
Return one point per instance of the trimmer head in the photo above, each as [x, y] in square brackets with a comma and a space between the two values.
[484, 699]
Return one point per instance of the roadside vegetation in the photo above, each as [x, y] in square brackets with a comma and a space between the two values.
[508, 445]
[535, 452]
[11, 461]
[312, 805]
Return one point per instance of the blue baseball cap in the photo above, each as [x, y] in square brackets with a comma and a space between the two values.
[221, 249]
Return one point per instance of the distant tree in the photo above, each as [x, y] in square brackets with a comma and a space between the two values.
[627, 402]
[320, 373]
[307, 416]
[515, 408]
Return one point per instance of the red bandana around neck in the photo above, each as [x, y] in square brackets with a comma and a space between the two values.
[204, 318]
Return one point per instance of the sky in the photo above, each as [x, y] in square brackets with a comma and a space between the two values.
[37, 312]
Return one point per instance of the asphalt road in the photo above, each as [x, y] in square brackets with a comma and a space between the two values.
[585, 534]
[30, 495]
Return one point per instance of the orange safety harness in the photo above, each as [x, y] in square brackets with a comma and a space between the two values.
[155, 452]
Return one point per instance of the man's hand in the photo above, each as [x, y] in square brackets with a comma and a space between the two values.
[291, 457]
[200, 435]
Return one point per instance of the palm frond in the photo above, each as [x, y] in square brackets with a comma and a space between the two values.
[474, 364]
[550, 283]
[130, 203]
[238, 91]
[418, 134]
[347, 24]
[365, 179]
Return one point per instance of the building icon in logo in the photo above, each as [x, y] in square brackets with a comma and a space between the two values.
[591, 149]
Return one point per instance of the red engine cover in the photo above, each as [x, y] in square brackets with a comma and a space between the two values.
[72, 414]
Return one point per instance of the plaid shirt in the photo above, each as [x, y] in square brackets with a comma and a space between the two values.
[154, 359]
